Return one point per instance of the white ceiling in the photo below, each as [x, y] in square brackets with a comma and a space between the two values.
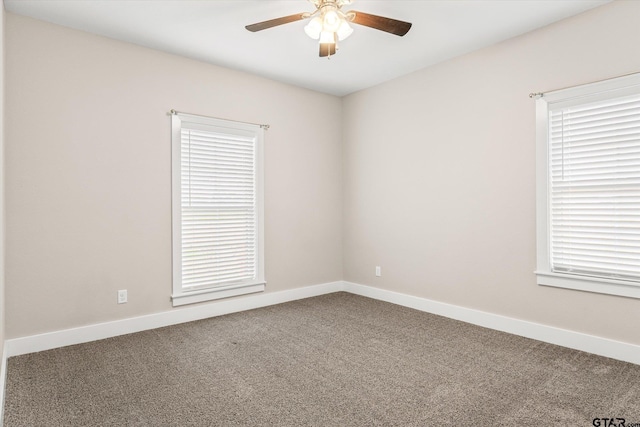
[213, 31]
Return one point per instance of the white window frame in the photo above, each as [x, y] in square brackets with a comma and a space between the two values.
[181, 296]
[572, 96]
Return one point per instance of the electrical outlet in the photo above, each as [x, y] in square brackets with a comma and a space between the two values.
[122, 296]
[378, 271]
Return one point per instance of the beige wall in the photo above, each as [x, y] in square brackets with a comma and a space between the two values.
[439, 170]
[88, 174]
[436, 169]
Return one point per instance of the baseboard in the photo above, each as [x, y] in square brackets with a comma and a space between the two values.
[575, 340]
[50, 340]
[3, 381]
[562, 337]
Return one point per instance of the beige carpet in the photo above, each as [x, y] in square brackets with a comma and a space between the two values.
[334, 360]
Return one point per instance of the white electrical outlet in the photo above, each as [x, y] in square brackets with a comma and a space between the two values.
[122, 296]
[378, 271]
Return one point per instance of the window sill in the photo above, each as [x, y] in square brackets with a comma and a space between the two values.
[589, 284]
[216, 293]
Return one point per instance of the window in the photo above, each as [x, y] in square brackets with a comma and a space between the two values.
[217, 208]
[588, 187]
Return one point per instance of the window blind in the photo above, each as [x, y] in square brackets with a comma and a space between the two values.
[218, 205]
[594, 188]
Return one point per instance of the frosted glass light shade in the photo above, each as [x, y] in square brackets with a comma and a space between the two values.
[314, 27]
[344, 31]
[331, 21]
[327, 37]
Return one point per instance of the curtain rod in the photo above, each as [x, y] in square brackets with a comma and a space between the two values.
[265, 127]
[537, 95]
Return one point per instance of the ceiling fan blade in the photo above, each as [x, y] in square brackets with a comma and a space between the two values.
[393, 26]
[275, 22]
[327, 49]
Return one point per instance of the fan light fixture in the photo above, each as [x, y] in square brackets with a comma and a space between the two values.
[328, 24]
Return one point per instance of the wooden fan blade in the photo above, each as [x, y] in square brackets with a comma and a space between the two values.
[275, 22]
[327, 49]
[393, 26]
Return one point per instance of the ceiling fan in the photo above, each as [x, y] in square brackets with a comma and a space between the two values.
[329, 23]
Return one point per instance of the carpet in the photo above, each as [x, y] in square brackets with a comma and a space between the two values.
[333, 360]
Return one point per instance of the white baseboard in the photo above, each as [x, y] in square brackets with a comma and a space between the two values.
[50, 340]
[592, 344]
[3, 381]
[575, 340]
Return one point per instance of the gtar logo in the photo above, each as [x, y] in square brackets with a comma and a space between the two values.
[609, 422]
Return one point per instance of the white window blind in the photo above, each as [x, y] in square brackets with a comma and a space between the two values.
[588, 187]
[595, 188]
[220, 209]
